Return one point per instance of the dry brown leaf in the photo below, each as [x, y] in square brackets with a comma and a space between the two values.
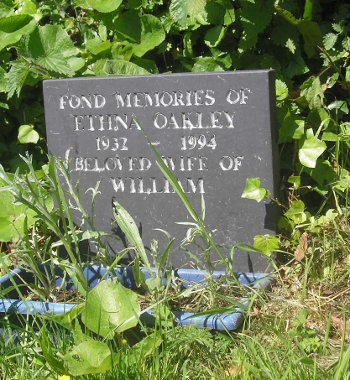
[233, 371]
[340, 324]
[300, 252]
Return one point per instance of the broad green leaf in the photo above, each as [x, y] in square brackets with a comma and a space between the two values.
[146, 347]
[341, 105]
[287, 15]
[312, 35]
[76, 63]
[12, 219]
[214, 36]
[324, 173]
[147, 64]
[312, 90]
[6, 9]
[281, 90]
[180, 10]
[27, 7]
[311, 149]
[105, 67]
[104, 6]
[67, 319]
[110, 308]
[82, 4]
[207, 64]
[255, 16]
[216, 14]
[48, 351]
[128, 26]
[344, 183]
[286, 35]
[88, 357]
[127, 224]
[51, 47]
[319, 117]
[12, 216]
[152, 35]
[97, 45]
[8, 230]
[12, 28]
[266, 244]
[292, 129]
[330, 216]
[296, 212]
[27, 134]
[295, 66]
[347, 74]
[253, 190]
[330, 136]
[16, 77]
[230, 16]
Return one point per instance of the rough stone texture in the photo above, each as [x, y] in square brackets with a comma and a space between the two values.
[214, 129]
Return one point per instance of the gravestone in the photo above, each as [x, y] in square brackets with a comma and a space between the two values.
[213, 130]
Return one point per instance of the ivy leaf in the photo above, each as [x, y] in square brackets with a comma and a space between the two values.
[12, 28]
[104, 6]
[323, 173]
[27, 134]
[181, 10]
[292, 129]
[341, 105]
[311, 149]
[266, 244]
[207, 64]
[110, 308]
[152, 35]
[50, 47]
[296, 212]
[104, 67]
[88, 357]
[295, 180]
[253, 190]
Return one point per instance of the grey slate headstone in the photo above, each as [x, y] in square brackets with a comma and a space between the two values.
[214, 130]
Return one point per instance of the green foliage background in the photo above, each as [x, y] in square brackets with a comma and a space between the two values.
[306, 42]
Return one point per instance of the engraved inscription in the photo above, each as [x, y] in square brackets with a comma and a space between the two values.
[191, 142]
[114, 143]
[155, 186]
[196, 128]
